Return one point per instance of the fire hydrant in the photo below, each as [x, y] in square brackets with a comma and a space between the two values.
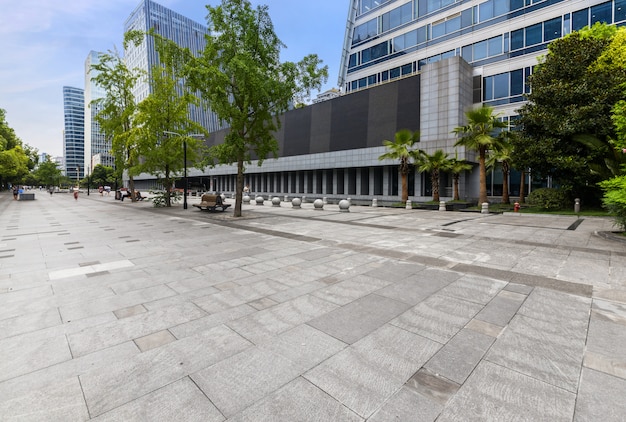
[516, 207]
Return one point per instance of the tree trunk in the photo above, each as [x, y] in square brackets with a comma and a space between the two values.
[168, 187]
[456, 187]
[482, 196]
[239, 187]
[522, 187]
[434, 180]
[505, 184]
[131, 181]
[405, 187]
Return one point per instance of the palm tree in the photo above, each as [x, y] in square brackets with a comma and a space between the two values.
[433, 164]
[401, 149]
[456, 168]
[480, 135]
[502, 154]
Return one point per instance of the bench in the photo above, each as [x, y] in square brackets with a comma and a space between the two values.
[211, 202]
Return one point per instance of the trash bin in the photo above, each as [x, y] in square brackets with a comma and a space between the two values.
[118, 195]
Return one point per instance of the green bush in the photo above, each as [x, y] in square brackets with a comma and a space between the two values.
[614, 199]
[158, 200]
[548, 199]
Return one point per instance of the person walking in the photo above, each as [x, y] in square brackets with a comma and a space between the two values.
[15, 192]
[76, 193]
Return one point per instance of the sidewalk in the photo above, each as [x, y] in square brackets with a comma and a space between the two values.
[115, 311]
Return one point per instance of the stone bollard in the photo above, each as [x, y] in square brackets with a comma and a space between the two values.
[374, 202]
[296, 202]
[286, 198]
[349, 201]
[577, 205]
[408, 205]
[232, 196]
[303, 199]
[246, 199]
[484, 208]
[442, 205]
[276, 201]
[344, 205]
[259, 200]
[318, 205]
[325, 200]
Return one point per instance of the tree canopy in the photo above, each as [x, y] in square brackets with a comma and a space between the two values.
[402, 149]
[566, 126]
[240, 75]
[16, 158]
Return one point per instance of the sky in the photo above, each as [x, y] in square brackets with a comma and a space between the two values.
[44, 44]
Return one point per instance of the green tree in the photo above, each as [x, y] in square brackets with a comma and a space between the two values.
[566, 125]
[456, 168]
[240, 75]
[13, 165]
[103, 175]
[118, 108]
[401, 149]
[48, 173]
[433, 164]
[480, 135]
[164, 125]
[502, 154]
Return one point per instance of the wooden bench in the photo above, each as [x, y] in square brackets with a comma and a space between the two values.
[211, 202]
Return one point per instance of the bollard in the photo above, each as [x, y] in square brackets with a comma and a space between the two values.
[349, 201]
[325, 199]
[374, 202]
[344, 206]
[484, 208]
[577, 205]
[259, 200]
[408, 205]
[276, 201]
[442, 205]
[286, 198]
[246, 199]
[318, 205]
[296, 202]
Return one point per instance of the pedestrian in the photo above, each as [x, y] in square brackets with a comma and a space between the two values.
[15, 191]
[101, 190]
[107, 190]
[76, 193]
[51, 190]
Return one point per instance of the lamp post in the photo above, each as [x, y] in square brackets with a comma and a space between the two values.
[77, 176]
[88, 180]
[185, 186]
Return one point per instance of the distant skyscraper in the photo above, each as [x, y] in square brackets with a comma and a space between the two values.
[95, 141]
[173, 26]
[74, 133]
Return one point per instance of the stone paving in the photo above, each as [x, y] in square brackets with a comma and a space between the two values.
[119, 311]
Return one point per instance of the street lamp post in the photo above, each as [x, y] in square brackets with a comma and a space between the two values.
[185, 185]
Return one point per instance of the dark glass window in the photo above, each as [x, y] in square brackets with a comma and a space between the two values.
[309, 182]
[517, 4]
[517, 82]
[393, 180]
[601, 13]
[501, 85]
[378, 180]
[494, 46]
[362, 82]
[394, 73]
[438, 29]
[372, 80]
[365, 181]
[488, 88]
[319, 181]
[466, 53]
[340, 182]
[620, 11]
[500, 7]
[407, 69]
[480, 50]
[533, 35]
[384, 75]
[410, 39]
[485, 11]
[352, 181]
[301, 182]
[552, 29]
[329, 182]
[467, 18]
[352, 61]
[580, 19]
[517, 39]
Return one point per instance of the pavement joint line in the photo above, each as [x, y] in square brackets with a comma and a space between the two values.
[75, 271]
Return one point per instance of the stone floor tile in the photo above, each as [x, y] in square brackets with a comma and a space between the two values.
[30, 352]
[484, 328]
[313, 404]
[495, 393]
[154, 340]
[407, 405]
[432, 386]
[357, 319]
[207, 322]
[606, 364]
[458, 358]
[349, 290]
[473, 288]
[181, 400]
[62, 401]
[601, 397]
[29, 322]
[501, 308]
[438, 317]
[414, 289]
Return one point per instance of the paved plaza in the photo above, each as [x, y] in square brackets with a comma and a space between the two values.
[117, 311]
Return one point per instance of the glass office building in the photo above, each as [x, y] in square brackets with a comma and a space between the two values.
[173, 26]
[74, 132]
[501, 39]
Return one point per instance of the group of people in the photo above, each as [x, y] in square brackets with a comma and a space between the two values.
[104, 190]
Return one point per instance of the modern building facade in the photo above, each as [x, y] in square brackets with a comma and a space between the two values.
[418, 65]
[96, 142]
[183, 31]
[74, 132]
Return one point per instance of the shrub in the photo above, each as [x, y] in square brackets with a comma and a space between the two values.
[158, 200]
[614, 199]
[548, 199]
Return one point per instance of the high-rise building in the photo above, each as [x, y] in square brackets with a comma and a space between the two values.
[96, 142]
[500, 39]
[74, 133]
[173, 26]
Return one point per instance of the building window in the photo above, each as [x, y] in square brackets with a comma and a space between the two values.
[601, 13]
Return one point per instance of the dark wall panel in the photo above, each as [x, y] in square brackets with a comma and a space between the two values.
[297, 136]
[348, 126]
[320, 127]
[409, 103]
[383, 108]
